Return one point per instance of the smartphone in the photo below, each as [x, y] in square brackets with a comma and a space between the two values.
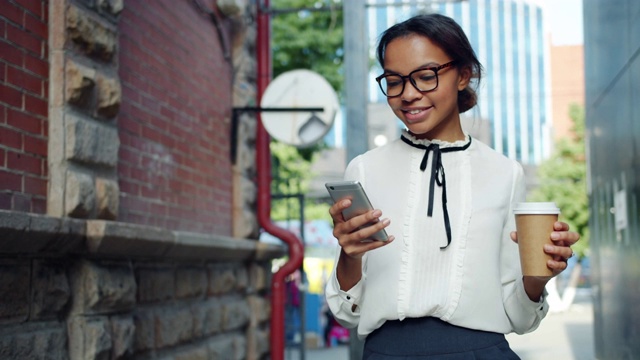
[360, 203]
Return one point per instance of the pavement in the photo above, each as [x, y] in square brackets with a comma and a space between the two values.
[563, 335]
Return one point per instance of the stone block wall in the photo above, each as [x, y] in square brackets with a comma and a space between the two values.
[141, 105]
[202, 297]
[85, 96]
[124, 111]
[142, 253]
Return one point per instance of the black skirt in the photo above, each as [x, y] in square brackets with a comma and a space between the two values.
[431, 338]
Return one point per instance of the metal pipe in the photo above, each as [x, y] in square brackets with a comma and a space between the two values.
[263, 164]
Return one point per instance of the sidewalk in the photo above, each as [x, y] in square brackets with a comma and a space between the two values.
[567, 335]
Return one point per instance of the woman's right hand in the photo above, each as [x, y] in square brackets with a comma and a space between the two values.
[354, 240]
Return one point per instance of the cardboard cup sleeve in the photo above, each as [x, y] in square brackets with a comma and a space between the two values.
[534, 224]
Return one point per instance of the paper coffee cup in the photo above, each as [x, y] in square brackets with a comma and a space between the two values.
[534, 223]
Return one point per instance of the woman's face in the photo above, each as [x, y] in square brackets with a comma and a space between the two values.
[433, 114]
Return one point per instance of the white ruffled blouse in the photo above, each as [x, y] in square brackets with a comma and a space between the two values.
[473, 282]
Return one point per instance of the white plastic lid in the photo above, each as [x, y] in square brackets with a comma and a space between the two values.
[536, 208]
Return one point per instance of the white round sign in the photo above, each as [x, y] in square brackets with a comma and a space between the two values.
[284, 103]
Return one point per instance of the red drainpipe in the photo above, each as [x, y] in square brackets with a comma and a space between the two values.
[263, 160]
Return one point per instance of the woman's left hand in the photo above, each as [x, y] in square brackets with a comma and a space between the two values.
[562, 239]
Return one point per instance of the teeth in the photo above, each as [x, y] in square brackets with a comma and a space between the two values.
[413, 112]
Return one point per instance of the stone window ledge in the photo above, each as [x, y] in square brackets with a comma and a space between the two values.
[33, 234]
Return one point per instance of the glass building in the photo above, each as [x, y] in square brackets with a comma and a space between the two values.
[508, 37]
[612, 79]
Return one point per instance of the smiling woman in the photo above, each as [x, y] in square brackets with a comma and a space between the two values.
[451, 249]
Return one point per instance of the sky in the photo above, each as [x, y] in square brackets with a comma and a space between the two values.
[564, 21]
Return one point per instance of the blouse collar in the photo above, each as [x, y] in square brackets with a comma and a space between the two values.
[441, 143]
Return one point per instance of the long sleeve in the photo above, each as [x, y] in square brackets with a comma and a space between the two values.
[345, 305]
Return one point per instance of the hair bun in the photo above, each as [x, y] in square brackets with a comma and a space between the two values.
[467, 98]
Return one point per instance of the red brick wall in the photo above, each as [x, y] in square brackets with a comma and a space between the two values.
[174, 168]
[567, 86]
[24, 73]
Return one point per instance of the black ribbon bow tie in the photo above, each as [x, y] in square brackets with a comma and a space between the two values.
[437, 177]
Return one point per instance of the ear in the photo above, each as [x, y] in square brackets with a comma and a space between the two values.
[464, 77]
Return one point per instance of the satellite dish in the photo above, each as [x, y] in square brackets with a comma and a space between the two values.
[298, 107]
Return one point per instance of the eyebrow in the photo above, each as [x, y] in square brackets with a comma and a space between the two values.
[424, 66]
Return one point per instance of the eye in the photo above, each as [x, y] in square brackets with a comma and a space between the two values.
[425, 76]
[393, 81]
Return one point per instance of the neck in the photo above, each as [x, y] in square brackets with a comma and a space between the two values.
[449, 131]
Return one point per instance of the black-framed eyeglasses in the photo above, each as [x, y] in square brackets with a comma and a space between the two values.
[424, 79]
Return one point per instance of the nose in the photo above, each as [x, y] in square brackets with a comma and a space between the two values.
[410, 93]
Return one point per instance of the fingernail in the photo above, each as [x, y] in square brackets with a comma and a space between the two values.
[548, 247]
[555, 236]
[345, 203]
[386, 222]
[377, 213]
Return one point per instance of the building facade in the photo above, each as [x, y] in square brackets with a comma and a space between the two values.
[508, 37]
[612, 78]
[567, 84]
[127, 202]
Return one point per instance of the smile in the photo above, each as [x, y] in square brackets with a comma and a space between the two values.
[413, 116]
[414, 112]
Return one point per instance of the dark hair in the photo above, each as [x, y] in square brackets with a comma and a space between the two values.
[448, 35]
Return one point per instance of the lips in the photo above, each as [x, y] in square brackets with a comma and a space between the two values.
[416, 114]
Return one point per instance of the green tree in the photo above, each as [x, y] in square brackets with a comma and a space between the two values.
[291, 174]
[303, 39]
[563, 179]
[308, 39]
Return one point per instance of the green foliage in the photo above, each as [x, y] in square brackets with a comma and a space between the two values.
[289, 170]
[308, 39]
[563, 179]
[291, 174]
[303, 40]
